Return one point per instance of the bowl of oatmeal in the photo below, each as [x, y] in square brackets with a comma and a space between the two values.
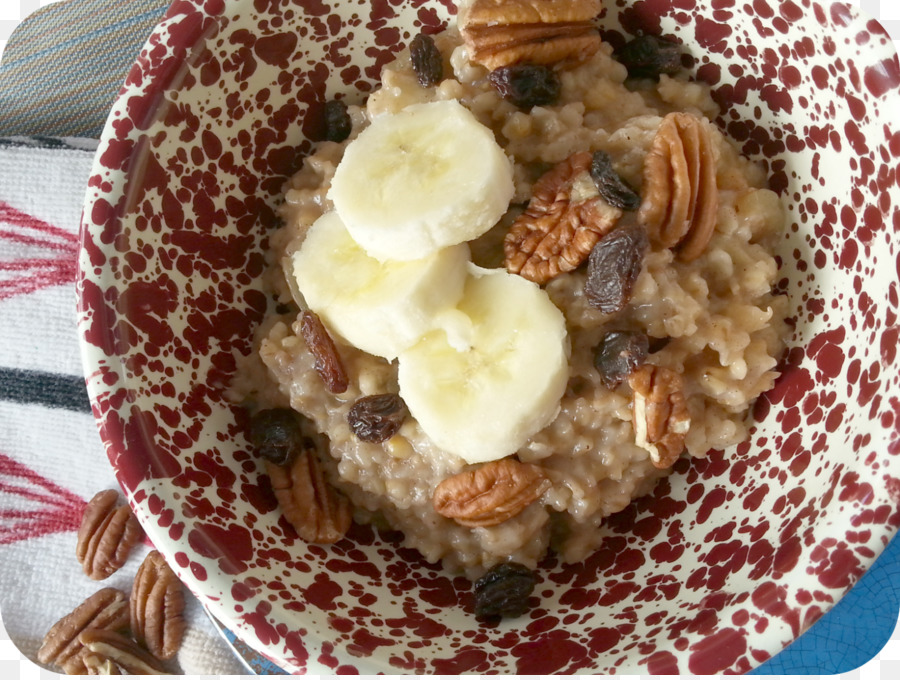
[520, 337]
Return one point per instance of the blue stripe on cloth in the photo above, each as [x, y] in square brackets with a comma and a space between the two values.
[64, 65]
[42, 142]
[48, 389]
[106, 30]
[88, 89]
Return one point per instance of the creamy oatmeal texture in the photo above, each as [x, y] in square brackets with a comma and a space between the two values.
[714, 320]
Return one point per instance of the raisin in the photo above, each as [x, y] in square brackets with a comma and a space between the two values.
[337, 121]
[658, 344]
[328, 362]
[648, 56]
[377, 417]
[613, 267]
[613, 188]
[619, 354]
[427, 61]
[526, 85]
[280, 434]
[504, 591]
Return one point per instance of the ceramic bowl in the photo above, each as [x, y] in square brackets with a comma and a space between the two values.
[727, 562]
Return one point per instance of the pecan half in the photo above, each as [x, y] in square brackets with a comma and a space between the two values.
[502, 32]
[680, 196]
[107, 609]
[329, 364]
[491, 493]
[107, 534]
[318, 511]
[100, 665]
[660, 414]
[157, 607]
[565, 219]
[121, 652]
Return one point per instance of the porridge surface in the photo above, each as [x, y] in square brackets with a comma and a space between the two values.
[723, 325]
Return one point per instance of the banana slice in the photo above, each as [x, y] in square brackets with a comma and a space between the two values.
[379, 307]
[420, 180]
[485, 400]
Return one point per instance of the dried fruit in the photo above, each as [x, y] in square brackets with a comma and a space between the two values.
[660, 415]
[377, 417]
[491, 493]
[107, 535]
[107, 609]
[504, 591]
[329, 365]
[565, 219]
[157, 607]
[426, 59]
[122, 652]
[526, 85]
[619, 354]
[649, 56]
[338, 125]
[614, 266]
[279, 434]
[611, 186]
[681, 199]
[498, 34]
[318, 511]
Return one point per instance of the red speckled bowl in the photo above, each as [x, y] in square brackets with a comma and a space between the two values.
[728, 561]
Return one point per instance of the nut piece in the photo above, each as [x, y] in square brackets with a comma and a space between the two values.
[107, 609]
[660, 415]
[121, 652]
[490, 494]
[319, 512]
[565, 219]
[681, 199]
[100, 665]
[502, 32]
[106, 536]
[157, 607]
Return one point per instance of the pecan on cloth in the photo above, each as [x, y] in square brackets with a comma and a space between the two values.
[107, 609]
[107, 535]
[157, 607]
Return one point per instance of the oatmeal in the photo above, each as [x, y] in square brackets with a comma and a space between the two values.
[628, 211]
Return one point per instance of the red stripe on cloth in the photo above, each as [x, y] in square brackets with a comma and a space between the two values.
[17, 218]
[53, 509]
[30, 274]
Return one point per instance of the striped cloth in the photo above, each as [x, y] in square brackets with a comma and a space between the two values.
[64, 64]
[51, 458]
